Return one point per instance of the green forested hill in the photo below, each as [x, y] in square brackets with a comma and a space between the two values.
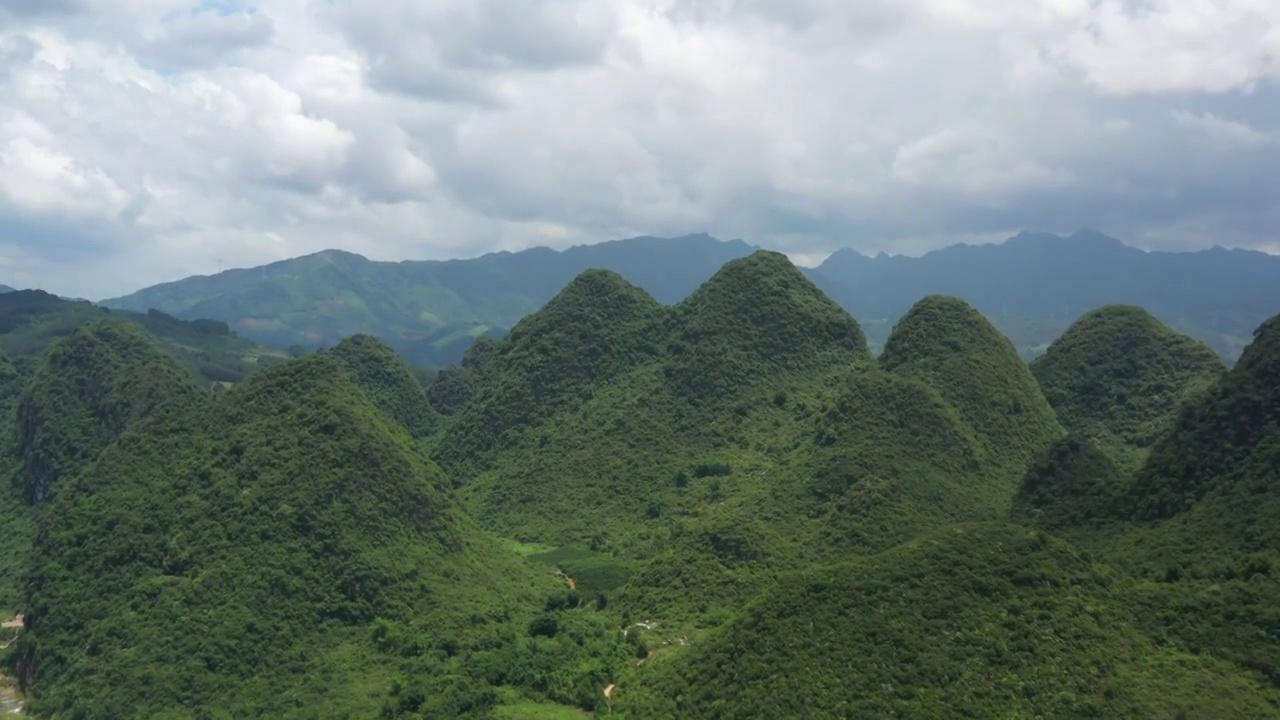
[89, 390]
[759, 435]
[31, 321]
[16, 518]
[315, 546]
[1193, 528]
[592, 448]
[389, 382]
[722, 507]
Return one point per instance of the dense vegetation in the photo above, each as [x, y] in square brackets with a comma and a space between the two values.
[985, 621]
[1031, 287]
[316, 547]
[723, 507]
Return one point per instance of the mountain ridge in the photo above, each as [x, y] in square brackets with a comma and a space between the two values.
[1031, 286]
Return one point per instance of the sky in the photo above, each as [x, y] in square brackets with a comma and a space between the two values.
[147, 140]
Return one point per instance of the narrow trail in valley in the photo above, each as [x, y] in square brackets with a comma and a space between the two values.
[573, 584]
[10, 700]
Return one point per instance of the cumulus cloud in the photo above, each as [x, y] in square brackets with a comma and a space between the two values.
[1176, 45]
[144, 140]
[39, 177]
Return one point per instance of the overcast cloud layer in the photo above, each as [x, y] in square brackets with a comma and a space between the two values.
[147, 140]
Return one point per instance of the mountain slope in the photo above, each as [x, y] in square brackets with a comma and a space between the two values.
[972, 621]
[1118, 376]
[17, 524]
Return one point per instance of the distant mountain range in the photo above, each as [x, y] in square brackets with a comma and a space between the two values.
[1031, 287]
[5, 289]
[1034, 285]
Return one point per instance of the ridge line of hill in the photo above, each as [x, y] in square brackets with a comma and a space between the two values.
[1030, 286]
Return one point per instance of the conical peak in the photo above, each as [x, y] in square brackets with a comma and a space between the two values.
[950, 346]
[362, 343]
[116, 334]
[388, 381]
[1216, 435]
[1124, 333]
[1260, 356]
[767, 291]
[759, 316]
[596, 297]
[940, 324]
[758, 266]
[1130, 317]
[1118, 376]
[598, 282]
[1072, 485]
[105, 378]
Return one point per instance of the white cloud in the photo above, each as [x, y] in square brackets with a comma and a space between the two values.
[38, 177]
[157, 137]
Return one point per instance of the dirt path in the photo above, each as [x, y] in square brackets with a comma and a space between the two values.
[573, 584]
[10, 699]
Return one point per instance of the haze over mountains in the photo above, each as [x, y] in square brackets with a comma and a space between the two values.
[1031, 287]
[726, 507]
